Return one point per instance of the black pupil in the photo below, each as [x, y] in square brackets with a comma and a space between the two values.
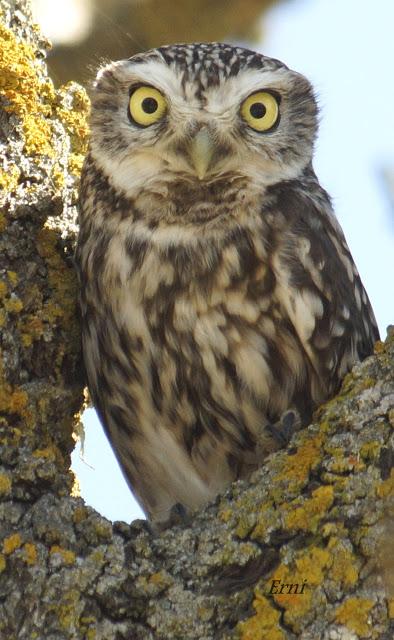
[257, 110]
[149, 105]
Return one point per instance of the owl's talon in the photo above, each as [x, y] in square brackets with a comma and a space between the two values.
[283, 430]
[178, 515]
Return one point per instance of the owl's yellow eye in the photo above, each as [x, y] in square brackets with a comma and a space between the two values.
[260, 111]
[147, 105]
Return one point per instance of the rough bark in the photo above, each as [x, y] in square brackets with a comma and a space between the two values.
[319, 514]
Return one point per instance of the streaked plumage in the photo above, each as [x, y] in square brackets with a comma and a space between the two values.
[217, 289]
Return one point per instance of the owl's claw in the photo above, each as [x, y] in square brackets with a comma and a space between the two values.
[178, 515]
[283, 430]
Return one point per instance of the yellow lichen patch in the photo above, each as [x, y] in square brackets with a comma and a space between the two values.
[243, 528]
[386, 488]
[80, 514]
[75, 162]
[264, 624]
[30, 553]
[154, 583]
[11, 543]
[379, 347]
[12, 400]
[47, 453]
[87, 628]
[307, 573]
[76, 488]
[3, 222]
[31, 329]
[72, 108]
[3, 289]
[9, 179]
[225, 515]
[5, 485]
[67, 609]
[3, 563]
[97, 556]
[13, 278]
[352, 385]
[37, 131]
[23, 90]
[268, 519]
[308, 514]
[353, 613]
[103, 530]
[158, 579]
[61, 279]
[390, 608]
[13, 435]
[339, 482]
[13, 304]
[342, 464]
[18, 402]
[344, 564]
[297, 467]
[58, 177]
[51, 312]
[67, 556]
[311, 564]
[205, 613]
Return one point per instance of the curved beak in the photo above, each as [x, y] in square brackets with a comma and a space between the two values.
[201, 150]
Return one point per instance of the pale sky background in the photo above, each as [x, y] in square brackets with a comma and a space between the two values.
[346, 48]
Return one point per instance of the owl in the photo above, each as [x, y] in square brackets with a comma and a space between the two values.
[220, 303]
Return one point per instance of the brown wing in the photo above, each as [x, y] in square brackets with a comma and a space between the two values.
[318, 285]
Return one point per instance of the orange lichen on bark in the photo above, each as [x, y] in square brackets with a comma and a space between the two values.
[296, 468]
[343, 569]
[8, 182]
[62, 280]
[306, 515]
[11, 543]
[12, 399]
[5, 485]
[33, 99]
[309, 569]
[264, 625]
[72, 107]
[67, 556]
[30, 553]
[26, 95]
[354, 614]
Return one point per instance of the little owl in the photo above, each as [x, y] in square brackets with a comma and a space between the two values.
[220, 302]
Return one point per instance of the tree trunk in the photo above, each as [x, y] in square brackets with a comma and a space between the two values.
[302, 550]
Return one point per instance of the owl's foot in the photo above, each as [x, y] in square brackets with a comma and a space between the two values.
[283, 430]
[178, 515]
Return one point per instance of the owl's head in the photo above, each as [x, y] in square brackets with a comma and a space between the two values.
[201, 113]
